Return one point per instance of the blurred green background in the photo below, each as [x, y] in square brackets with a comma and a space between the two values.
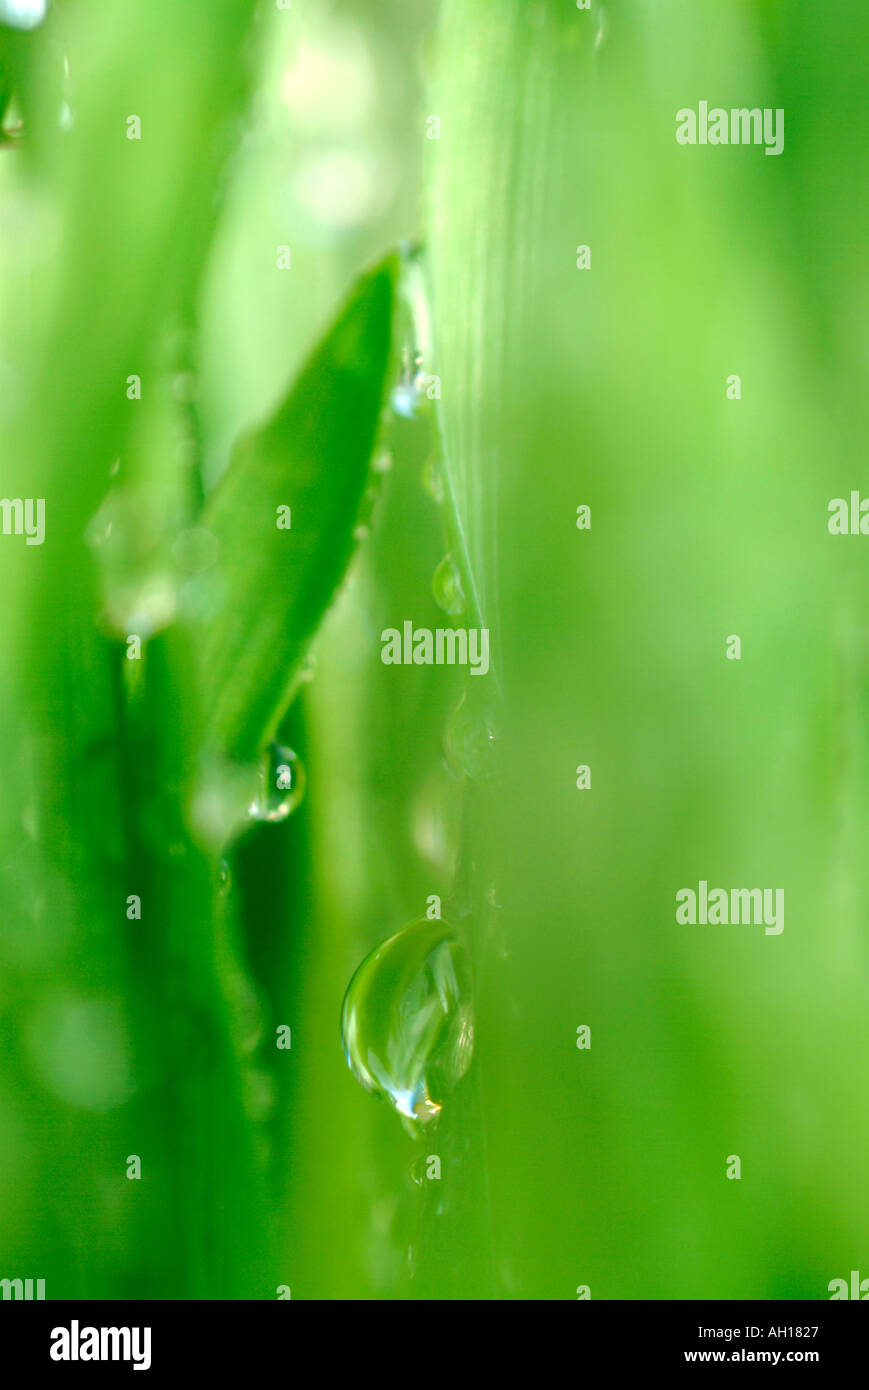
[307, 129]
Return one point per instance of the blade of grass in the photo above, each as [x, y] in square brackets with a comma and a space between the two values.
[313, 457]
[102, 292]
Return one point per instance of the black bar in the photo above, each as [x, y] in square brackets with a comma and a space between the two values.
[221, 1338]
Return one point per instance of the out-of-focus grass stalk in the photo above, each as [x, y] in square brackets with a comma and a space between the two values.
[131, 219]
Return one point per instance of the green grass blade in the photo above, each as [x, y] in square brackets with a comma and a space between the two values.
[314, 457]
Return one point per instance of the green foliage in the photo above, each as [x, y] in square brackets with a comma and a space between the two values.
[155, 258]
[313, 456]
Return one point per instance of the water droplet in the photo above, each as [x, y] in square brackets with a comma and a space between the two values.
[406, 1024]
[433, 479]
[361, 533]
[224, 878]
[403, 400]
[469, 738]
[22, 14]
[407, 397]
[414, 294]
[282, 785]
[447, 587]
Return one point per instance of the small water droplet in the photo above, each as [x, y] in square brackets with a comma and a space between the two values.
[447, 587]
[414, 294]
[469, 738]
[406, 1024]
[224, 878]
[407, 398]
[282, 785]
[403, 399]
[361, 533]
[433, 479]
[383, 461]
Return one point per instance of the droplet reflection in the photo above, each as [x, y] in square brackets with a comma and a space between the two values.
[407, 1025]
